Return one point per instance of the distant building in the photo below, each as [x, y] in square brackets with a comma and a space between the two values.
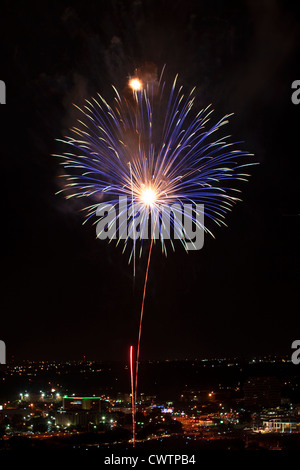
[262, 391]
[142, 398]
[10, 413]
[40, 397]
[281, 425]
[75, 418]
[122, 409]
[82, 403]
[79, 411]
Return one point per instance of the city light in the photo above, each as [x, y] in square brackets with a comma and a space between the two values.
[199, 415]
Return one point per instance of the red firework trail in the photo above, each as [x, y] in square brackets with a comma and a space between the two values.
[141, 320]
[132, 395]
[134, 387]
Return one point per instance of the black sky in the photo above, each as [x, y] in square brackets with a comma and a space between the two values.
[65, 294]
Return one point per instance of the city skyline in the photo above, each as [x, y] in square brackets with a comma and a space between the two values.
[191, 407]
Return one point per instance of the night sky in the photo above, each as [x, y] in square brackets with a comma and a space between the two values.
[66, 294]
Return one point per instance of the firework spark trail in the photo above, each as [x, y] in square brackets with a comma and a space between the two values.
[132, 395]
[141, 318]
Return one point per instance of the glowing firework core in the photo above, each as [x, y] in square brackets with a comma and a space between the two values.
[135, 84]
[148, 196]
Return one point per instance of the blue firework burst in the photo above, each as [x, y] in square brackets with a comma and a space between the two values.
[154, 148]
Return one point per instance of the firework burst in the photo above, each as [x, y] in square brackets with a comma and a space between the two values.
[154, 148]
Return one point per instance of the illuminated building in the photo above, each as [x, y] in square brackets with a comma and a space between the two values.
[281, 425]
[75, 418]
[79, 411]
[81, 403]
